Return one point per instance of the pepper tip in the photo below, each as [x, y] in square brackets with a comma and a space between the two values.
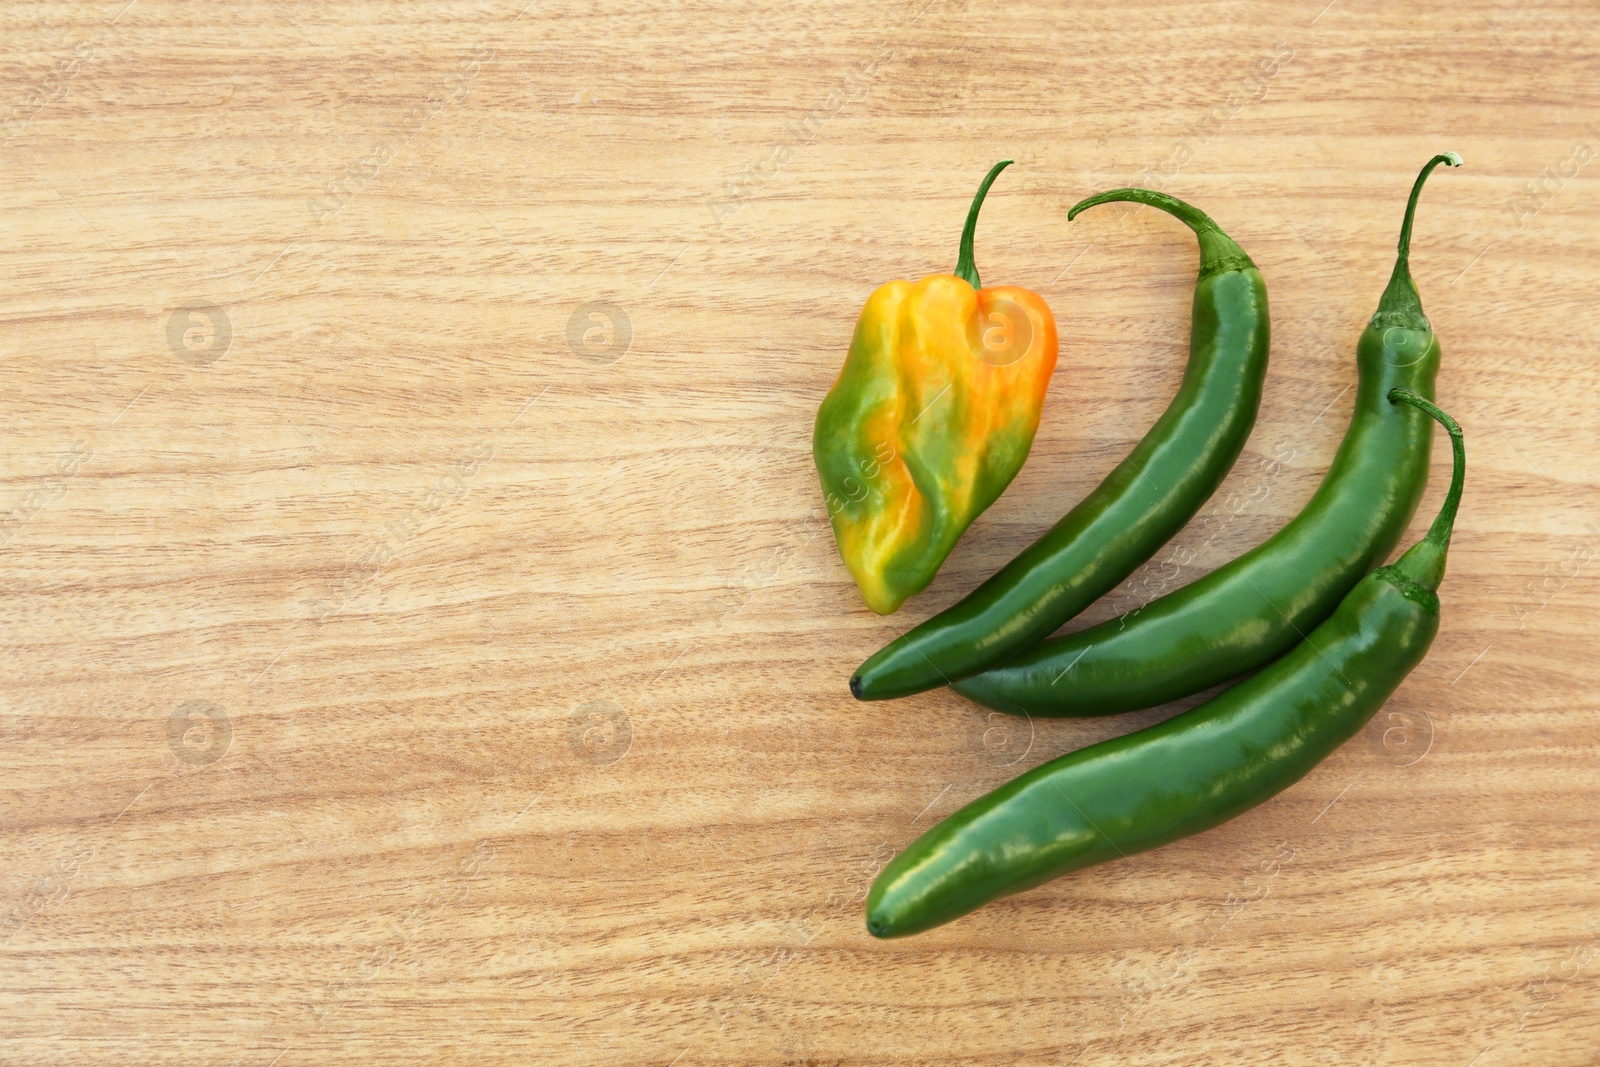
[855, 686]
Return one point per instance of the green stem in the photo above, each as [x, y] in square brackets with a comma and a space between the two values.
[1401, 306]
[1217, 250]
[966, 269]
[1424, 561]
[1191, 216]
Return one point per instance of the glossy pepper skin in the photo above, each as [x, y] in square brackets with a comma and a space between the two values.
[1146, 499]
[1190, 773]
[1255, 608]
[930, 419]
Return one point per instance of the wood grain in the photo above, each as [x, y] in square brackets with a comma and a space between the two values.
[404, 666]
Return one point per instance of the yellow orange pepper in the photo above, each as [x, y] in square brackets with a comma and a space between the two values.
[930, 418]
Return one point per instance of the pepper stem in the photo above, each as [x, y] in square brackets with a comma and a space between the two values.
[1218, 252]
[1401, 305]
[1424, 561]
[966, 269]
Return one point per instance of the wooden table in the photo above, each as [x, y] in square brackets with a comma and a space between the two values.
[423, 641]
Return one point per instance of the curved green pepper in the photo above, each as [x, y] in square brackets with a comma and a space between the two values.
[1195, 770]
[1255, 608]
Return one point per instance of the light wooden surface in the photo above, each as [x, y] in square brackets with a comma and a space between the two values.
[507, 647]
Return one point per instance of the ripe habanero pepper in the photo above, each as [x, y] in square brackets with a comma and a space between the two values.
[930, 418]
[1257, 607]
[1193, 771]
[1136, 509]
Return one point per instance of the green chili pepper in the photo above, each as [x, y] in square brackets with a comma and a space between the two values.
[1137, 508]
[1255, 608]
[1192, 772]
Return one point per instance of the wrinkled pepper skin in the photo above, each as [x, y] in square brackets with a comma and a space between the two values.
[930, 419]
[925, 427]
